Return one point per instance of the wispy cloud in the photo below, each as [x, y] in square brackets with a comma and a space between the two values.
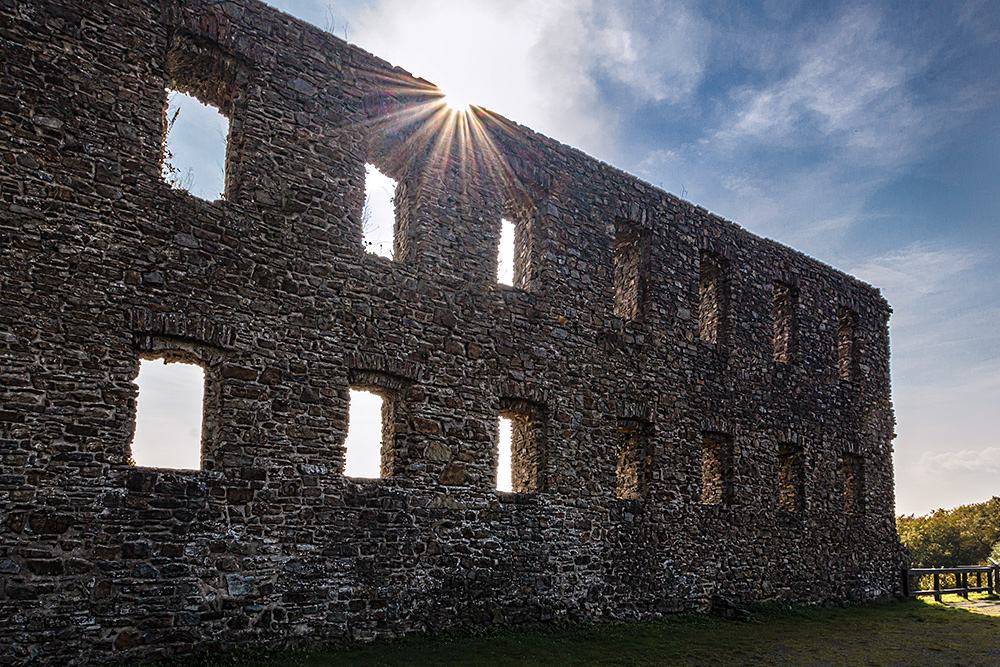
[827, 113]
[797, 207]
[944, 320]
[826, 120]
[986, 460]
[658, 52]
[980, 18]
[846, 87]
[938, 479]
[920, 269]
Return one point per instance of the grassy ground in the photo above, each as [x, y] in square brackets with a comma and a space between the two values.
[905, 633]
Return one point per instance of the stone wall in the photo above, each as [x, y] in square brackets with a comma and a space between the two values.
[700, 413]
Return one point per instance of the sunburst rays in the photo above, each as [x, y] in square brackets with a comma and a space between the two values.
[418, 124]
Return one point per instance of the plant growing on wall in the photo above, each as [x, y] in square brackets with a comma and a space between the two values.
[175, 177]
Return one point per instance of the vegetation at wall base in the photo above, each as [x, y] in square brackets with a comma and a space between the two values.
[911, 632]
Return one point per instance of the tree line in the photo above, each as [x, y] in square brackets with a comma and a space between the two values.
[965, 535]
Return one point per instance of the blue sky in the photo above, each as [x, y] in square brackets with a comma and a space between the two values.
[864, 134]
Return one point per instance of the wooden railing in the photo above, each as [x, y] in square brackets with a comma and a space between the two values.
[945, 580]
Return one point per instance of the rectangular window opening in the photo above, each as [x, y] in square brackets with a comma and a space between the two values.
[169, 413]
[847, 346]
[784, 311]
[202, 129]
[629, 270]
[195, 138]
[791, 478]
[368, 429]
[378, 217]
[632, 454]
[517, 227]
[713, 299]
[854, 484]
[505, 253]
[527, 434]
[716, 469]
[504, 482]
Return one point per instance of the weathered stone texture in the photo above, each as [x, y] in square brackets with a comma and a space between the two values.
[637, 352]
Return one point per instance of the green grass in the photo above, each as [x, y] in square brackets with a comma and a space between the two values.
[904, 633]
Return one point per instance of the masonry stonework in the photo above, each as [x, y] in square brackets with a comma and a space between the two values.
[700, 414]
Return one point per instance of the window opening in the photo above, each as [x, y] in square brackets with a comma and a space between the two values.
[628, 273]
[786, 335]
[791, 478]
[366, 428]
[524, 226]
[716, 469]
[169, 414]
[505, 253]
[195, 136]
[503, 463]
[527, 435]
[713, 299]
[632, 454]
[847, 346]
[378, 217]
[854, 483]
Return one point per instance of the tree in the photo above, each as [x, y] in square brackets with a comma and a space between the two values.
[946, 538]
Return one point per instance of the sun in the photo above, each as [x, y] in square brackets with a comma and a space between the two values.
[456, 102]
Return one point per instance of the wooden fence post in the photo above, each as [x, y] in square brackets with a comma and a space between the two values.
[957, 580]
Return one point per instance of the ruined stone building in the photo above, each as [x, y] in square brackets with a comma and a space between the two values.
[698, 413]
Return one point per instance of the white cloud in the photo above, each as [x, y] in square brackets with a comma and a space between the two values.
[796, 156]
[985, 460]
[979, 17]
[657, 52]
[795, 207]
[848, 84]
[947, 452]
[943, 326]
[833, 112]
[943, 315]
[944, 479]
[921, 269]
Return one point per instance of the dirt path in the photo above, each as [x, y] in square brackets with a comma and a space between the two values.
[988, 607]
